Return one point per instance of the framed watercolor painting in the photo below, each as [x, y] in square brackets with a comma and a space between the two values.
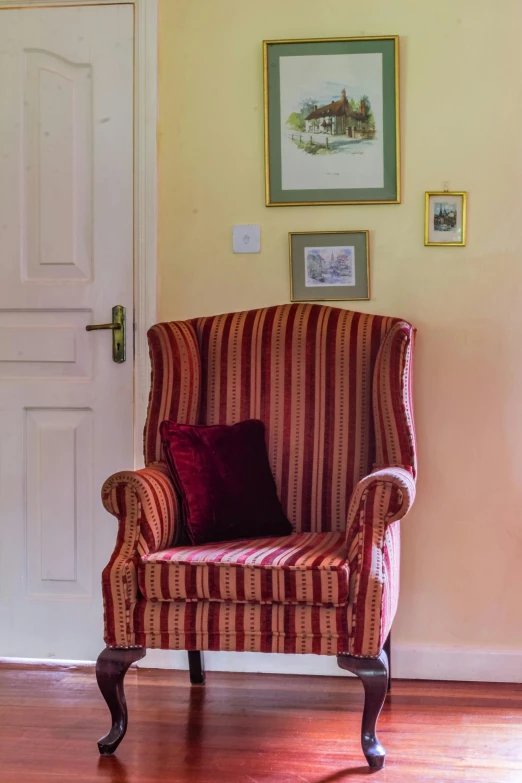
[329, 265]
[332, 121]
[445, 219]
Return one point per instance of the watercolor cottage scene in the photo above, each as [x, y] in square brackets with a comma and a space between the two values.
[327, 129]
[332, 121]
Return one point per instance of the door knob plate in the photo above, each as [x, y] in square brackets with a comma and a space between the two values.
[118, 333]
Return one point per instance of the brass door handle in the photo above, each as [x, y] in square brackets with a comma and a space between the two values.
[118, 333]
[95, 327]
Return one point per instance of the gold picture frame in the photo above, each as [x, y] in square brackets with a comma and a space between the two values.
[446, 216]
[355, 246]
[390, 192]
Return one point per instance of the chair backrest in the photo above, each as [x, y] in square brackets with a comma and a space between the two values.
[332, 386]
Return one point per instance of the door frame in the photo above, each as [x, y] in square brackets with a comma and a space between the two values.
[145, 187]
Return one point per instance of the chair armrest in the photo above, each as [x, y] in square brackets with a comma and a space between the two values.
[146, 505]
[378, 502]
[396, 488]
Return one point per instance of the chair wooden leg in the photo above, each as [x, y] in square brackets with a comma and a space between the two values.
[374, 675]
[111, 667]
[196, 670]
[387, 650]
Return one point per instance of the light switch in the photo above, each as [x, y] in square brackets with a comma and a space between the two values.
[246, 239]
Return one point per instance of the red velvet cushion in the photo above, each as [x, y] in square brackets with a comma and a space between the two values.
[224, 478]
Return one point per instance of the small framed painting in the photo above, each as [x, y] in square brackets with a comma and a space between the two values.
[332, 121]
[445, 219]
[329, 265]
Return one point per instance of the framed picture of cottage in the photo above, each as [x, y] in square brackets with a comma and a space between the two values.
[332, 121]
[329, 266]
[445, 218]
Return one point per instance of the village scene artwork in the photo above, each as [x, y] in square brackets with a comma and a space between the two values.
[327, 129]
[331, 117]
[329, 266]
[444, 216]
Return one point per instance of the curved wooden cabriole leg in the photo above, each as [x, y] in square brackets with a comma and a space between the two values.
[196, 670]
[374, 675]
[111, 667]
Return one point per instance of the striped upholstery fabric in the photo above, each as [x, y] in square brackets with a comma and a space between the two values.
[392, 400]
[373, 540]
[306, 568]
[333, 388]
[175, 389]
[306, 371]
[147, 507]
[214, 625]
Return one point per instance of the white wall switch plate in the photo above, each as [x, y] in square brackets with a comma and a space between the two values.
[246, 239]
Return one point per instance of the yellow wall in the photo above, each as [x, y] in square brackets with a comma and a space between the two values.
[461, 81]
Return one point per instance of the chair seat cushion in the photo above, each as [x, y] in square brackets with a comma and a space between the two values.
[304, 568]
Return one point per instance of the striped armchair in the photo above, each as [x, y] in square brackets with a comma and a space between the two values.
[333, 389]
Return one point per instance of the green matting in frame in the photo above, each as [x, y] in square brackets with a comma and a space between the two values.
[329, 266]
[332, 131]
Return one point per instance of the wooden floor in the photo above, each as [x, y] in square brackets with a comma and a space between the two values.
[245, 728]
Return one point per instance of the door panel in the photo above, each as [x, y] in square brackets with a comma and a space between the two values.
[45, 344]
[58, 506]
[58, 160]
[66, 258]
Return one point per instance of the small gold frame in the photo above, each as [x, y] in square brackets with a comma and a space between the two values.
[366, 233]
[446, 193]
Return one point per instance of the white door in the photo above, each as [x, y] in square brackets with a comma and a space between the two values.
[66, 258]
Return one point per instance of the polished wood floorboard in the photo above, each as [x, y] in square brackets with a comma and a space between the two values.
[248, 728]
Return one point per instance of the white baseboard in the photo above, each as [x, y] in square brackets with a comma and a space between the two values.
[266, 663]
[417, 662]
[473, 664]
